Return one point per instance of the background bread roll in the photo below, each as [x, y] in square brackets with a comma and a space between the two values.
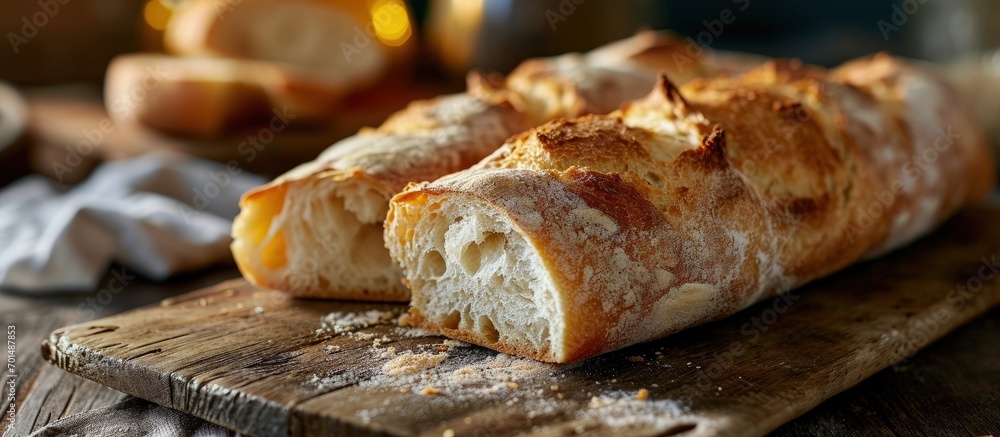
[585, 236]
[205, 97]
[316, 231]
[309, 35]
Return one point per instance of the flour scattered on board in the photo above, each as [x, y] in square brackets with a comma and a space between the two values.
[409, 363]
[398, 361]
[341, 322]
[622, 409]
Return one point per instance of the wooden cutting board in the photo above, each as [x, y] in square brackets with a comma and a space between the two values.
[263, 364]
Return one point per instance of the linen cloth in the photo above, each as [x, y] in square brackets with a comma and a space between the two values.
[157, 214]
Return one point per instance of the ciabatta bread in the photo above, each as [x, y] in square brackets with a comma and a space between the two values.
[584, 236]
[317, 231]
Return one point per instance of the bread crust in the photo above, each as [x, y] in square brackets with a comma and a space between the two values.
[433, 138]
[694, 203]
[381, 161]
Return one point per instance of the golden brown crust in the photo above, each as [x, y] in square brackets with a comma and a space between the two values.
[720, 194]
[432, 138]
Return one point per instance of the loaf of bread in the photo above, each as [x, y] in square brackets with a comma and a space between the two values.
[317, 231]
[588, 235]
[312, 36]
[207, 97]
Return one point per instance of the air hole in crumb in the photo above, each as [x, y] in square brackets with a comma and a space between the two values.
[467, 319]
[487, 328]
[654, 178]
[458, 219]
[678, 429]
[452, 320]
[491, 247]
[494, 242]
[433, 264]
[367, 236]
[471, 259]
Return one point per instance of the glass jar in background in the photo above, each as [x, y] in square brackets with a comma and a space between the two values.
[498, 34]
[945, 31]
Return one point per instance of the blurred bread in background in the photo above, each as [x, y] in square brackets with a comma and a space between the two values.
[207, 97]
[186, 97]
[304, 34]
[235, 63]
[262, 84]
[13, 124]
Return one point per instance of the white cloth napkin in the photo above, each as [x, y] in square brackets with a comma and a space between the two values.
[158, 214]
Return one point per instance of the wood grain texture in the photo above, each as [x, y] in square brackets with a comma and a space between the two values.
[950, 388]
[65, 395]
[41, 388]
[268, 372]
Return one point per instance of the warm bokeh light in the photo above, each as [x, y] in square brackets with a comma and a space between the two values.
[468, 11]
[453, 29]
[156, 14]
[391, 22]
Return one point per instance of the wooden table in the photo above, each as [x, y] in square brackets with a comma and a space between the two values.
[950, 388]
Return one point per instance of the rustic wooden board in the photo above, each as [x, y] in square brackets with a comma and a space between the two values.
[46, 393]
[268, 371]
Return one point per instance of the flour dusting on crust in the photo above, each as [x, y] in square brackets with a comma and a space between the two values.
[686, 206]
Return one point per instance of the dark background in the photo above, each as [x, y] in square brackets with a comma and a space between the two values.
[78, 41]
